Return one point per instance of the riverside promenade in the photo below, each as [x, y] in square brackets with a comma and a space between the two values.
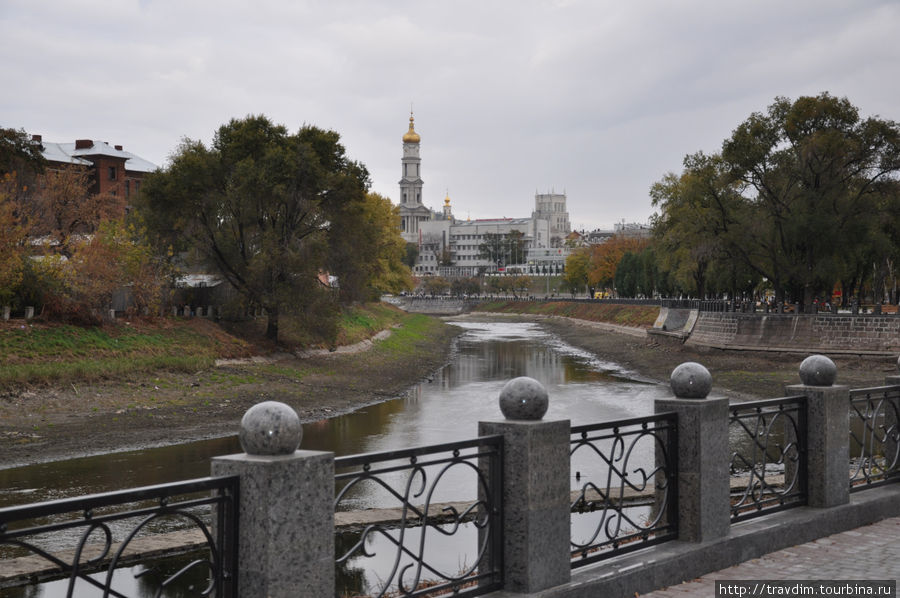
[871, 552]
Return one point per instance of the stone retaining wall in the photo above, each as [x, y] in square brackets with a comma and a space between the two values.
[827, 333]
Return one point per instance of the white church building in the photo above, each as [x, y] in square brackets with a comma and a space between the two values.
[451, 247]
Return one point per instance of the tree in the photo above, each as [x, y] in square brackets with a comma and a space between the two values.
[502, 249]
[700, 224]
[380, 229]
[64, 208]
[269, 211]
[798, 196]
[576, 274]
[20, 155]
[605, 258]
[12, 243]
[412, 255]
[435, 285]
[814, 172]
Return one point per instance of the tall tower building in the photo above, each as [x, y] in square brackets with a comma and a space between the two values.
[412, 211]
[552, 206]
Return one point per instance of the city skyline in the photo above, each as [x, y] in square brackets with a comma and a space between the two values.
[598, 100]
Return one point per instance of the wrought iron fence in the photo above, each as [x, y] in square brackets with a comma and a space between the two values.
[874, 436]
[767, 443]
[87, 539]
[626, 486]
[450, 494]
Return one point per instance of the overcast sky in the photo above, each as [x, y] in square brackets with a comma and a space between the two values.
[595, 98]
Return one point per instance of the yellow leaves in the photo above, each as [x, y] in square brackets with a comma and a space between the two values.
[605, 257]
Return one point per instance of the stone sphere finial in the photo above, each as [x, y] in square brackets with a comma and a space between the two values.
[691, 380]
[524, 398]
[270, 428]
[818, 370]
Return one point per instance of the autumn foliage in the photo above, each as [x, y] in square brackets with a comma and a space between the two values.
[67, 250]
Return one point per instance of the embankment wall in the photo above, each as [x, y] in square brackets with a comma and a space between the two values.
[826, 333]
[860, 334]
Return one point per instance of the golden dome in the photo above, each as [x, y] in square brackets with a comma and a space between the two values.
[411, 136]
[447, 200]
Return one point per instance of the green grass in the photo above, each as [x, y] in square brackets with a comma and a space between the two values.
[60, 354]
[403, 339]
[89, 370]
[641, 316]
[358, 323]
[48, 354]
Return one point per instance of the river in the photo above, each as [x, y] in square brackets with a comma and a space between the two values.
[445, 408]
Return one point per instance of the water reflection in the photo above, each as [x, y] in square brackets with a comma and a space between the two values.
[448, 408]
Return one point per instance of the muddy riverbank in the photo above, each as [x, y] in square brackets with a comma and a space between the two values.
[48, 423]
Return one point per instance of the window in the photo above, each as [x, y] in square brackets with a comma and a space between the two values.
[127, 188]
[112, 173]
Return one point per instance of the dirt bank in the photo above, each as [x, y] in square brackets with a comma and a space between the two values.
[736, 374]
[42, 424]
[48, 423]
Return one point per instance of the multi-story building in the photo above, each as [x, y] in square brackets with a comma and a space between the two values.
[113, 170]
[451, 247]
[552, 206]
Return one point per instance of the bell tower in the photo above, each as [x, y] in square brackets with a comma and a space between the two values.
[412, 211]
[411, 181]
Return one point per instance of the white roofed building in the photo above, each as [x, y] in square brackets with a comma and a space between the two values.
[113, 170]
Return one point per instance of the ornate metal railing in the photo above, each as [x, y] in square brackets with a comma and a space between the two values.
[626, 480]
[83, 536]
[874, 436]
[767, 443]
[450, 494]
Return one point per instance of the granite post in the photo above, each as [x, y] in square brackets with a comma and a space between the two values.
[286, 531]
[892, 422]
[828, 432]
[536, 509]
[704, 509]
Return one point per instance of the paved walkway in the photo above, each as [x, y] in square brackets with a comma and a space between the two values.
[867, 553]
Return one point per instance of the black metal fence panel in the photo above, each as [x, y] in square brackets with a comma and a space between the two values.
[421, 521]
[87, 540]
[874, 437]
[767, 442]
[625, 486]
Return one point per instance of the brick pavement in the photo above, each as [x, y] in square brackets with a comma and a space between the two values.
[866, 553]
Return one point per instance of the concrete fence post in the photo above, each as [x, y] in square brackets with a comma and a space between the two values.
[6, 311]
[536, 509]
[29, 312]
[827, 432]
[286, 530]
[704, 510]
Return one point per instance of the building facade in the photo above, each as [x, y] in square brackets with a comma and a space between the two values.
[552, 207]
[452, 248]
[113, 170]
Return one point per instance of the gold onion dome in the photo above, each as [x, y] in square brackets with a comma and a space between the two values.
[447, 200]
[411, 136]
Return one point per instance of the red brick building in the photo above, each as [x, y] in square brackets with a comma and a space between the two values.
[113, 170]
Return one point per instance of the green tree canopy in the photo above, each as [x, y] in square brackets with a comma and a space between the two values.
[270, 211]
[799, 195]
[502, 249]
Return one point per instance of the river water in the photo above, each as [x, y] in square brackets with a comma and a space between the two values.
[446, 408]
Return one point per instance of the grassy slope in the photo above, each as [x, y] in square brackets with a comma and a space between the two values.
[641, 316]
[41, 353]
